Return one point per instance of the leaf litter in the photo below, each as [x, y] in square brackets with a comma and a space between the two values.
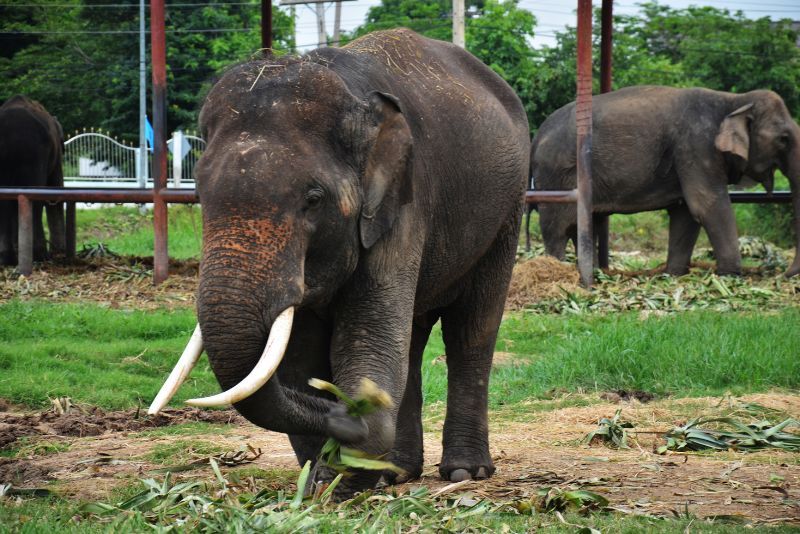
[541, 450]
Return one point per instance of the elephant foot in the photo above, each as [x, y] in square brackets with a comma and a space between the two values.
[463, 465]
[355, 481]
[411, 466]
[676, 271]
[729, 272]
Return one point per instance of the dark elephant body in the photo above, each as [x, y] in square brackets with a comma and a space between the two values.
[377, 188]
[31, 143]
[667, 148]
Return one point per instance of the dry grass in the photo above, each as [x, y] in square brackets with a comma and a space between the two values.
[539, 278]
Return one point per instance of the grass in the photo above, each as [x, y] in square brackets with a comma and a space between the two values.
[111, 358]
[25, 446]
[119, 358]
[688, 354]
[128, 232]
[182, 450]
[227, 507]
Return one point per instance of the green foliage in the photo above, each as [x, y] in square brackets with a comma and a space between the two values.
[82, 62]
[611, 431]
[744, 438]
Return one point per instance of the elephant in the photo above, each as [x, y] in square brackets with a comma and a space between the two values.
[31, 147]
[352, 198]
[677, 149]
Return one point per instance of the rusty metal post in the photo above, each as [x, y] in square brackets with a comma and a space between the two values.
[159, 62]
[25, 236]
[583, 123]
[266, 27]
[606, 40]
[70, 227]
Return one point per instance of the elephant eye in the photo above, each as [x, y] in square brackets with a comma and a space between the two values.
[314, 197]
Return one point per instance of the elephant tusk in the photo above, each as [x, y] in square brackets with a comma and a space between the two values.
[264, 369]
[179, 373]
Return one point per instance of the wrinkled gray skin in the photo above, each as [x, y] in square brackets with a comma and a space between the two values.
[679, 149]
[377, 188]
[31, 144]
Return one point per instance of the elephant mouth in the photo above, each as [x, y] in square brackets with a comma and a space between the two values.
[268, 363]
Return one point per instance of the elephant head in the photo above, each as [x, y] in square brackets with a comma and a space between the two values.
[762, 137]
[298, 179]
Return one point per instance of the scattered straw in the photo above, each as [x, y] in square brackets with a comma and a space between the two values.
[542, 277]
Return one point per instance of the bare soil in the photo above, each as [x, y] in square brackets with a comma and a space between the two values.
[536, 449]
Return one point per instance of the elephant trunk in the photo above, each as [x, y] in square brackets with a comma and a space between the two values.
[244, 309]
[792, 171]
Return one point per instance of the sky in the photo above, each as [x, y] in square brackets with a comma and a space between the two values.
[551, 15]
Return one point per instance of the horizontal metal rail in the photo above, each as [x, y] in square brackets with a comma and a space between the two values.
[737, 197]
[25, 195]
[760, 197]
[70, 195]
[111, 196]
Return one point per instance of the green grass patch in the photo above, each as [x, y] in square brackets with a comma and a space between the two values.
[192, 428]
[181, 451]
[129, 232]
[27, 446]
[111, 358]
[688, 354]
[119, 358]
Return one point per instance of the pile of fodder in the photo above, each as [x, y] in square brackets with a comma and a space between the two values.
[540, 278]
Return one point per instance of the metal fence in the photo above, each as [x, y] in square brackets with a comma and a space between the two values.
[95, 159]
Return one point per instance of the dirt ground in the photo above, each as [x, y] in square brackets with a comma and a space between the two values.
[87, 452]
[100, 451]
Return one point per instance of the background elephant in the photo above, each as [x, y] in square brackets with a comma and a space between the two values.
[374, 189]
[31, 146]
[679, 149]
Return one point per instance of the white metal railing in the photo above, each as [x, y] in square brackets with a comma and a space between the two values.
[95, 159]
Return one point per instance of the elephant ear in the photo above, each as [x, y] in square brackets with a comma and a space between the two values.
[733, 136]
[387, 182]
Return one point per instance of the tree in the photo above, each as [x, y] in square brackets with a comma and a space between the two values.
[82, 62]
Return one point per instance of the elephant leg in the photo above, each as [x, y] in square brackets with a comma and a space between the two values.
[306, 357]
[469, 327]
[558, 224]
[705, 191]
[407, 453]
[39, 239]
[683, 232]
[720, 225]
[8, 211]
[55, 222]
[716, 216]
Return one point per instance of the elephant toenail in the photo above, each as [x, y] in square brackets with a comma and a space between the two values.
[481, 473]
[459, 475]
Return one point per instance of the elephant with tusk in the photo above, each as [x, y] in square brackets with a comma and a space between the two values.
[351, 199]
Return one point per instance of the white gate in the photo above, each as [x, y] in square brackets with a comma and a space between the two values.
[95, 159]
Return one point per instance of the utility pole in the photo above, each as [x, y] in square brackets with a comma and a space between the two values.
[266, 27]
[142, 163]
[337, 24]
[458, 23]
[322, 39]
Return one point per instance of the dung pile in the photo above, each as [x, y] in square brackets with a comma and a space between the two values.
[542, 277]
